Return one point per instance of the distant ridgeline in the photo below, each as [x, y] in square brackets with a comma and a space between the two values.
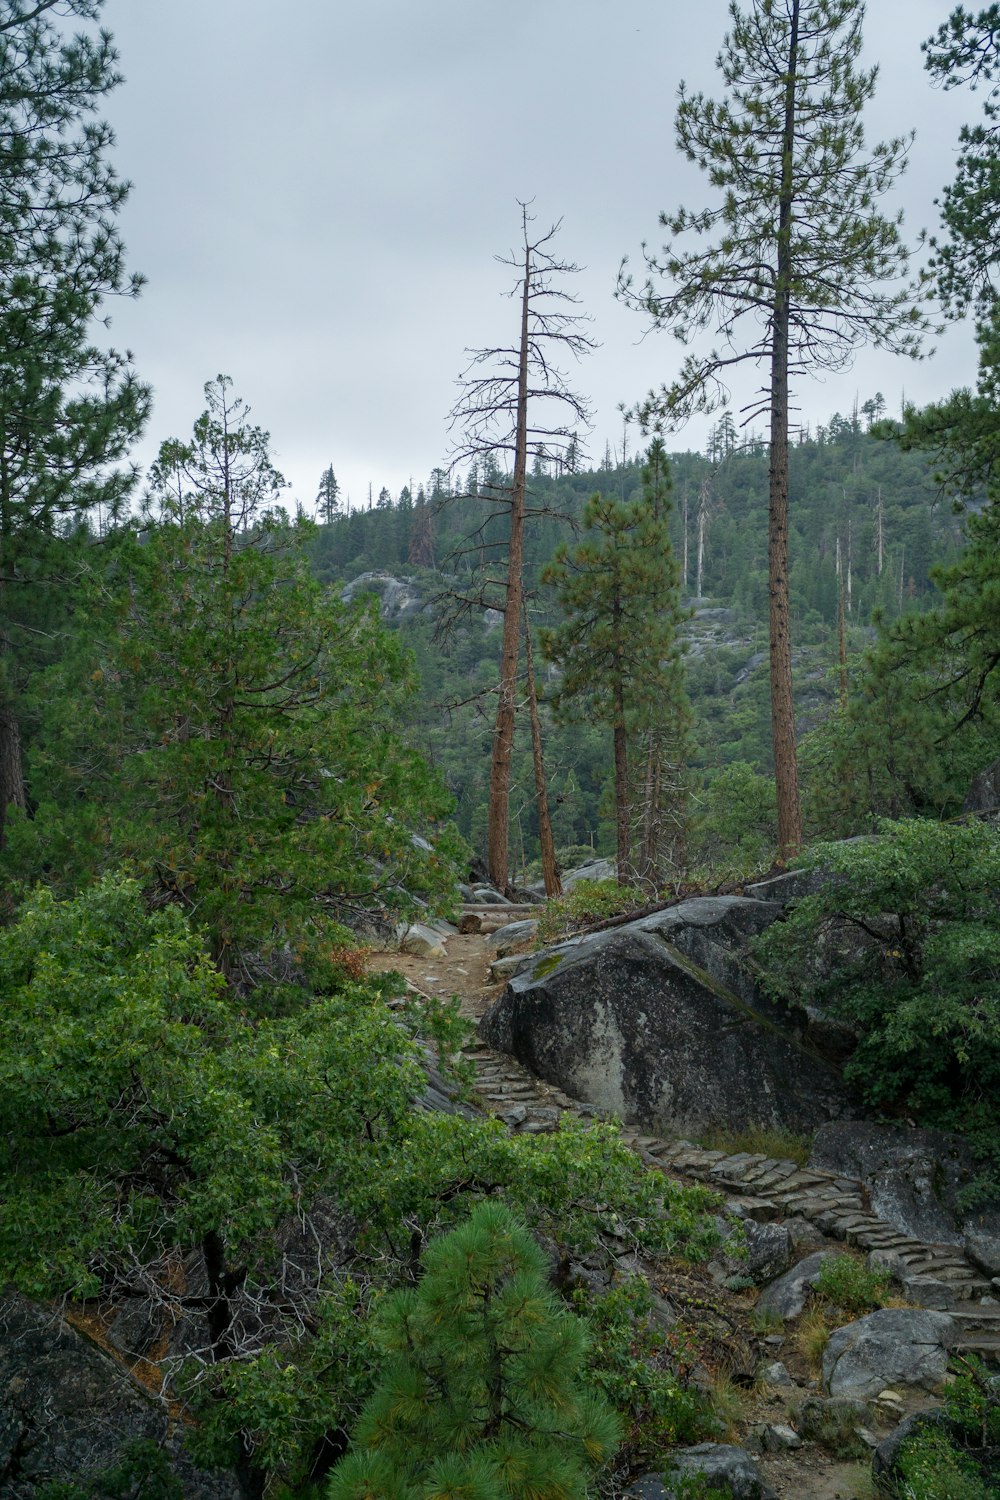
[867, 521]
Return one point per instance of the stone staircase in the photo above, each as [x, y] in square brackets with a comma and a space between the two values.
[767, 1189]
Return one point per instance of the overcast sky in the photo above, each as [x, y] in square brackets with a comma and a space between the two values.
[320, 189]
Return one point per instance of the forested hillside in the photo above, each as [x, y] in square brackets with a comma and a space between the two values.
[867, 520]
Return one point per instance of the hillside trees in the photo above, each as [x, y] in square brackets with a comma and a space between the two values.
[240, 728]
[798, 249]
[69, 409]
[617, 648]
[502, 392]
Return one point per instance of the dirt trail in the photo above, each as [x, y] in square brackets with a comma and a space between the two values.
[527, 1104]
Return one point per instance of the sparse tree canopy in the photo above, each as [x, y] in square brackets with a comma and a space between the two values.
[516, 404]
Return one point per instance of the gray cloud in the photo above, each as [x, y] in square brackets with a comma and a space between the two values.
[321, 189]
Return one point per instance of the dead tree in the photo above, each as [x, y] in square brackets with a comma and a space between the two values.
[514, 405]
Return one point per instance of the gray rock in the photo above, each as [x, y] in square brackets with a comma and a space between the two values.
[627, 1021]
[597, 869]
[507, 938]
[68, 1411]
[488, 895]
[769, 1251]
[397, 599]
[422, 941]
[914, 1180]
[503, 968]
[776, 1374]
[836, 1421]
[894, 1346]
[727, 1468]
[787, 1295]
[983, 1250]
[778, 1437]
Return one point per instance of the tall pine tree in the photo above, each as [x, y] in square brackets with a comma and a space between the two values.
[798, 252]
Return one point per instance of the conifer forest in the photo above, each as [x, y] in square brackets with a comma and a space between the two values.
[296, 789]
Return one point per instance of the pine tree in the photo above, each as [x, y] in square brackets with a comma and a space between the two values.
[241, 723]
[328, 497]
[800, 250]
[68, 409]
[483, 1395]
[617, 647]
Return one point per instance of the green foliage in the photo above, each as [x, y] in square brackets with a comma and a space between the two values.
[239, 727]
[848, 1284]
[902, 941]
[69, 409]
[142, 1112]
[617, 645]
[484, 1392]
[932, 1468]
[972, 1400]
[736, 831]
[141, 1473]
[635, 1363]
[586, 902]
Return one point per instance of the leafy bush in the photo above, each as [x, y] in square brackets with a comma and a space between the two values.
[932, 1468]
[589, 901]
[484, 1394]
[736, 834]
[903, 940]
[636, 1364]
[847, 1283]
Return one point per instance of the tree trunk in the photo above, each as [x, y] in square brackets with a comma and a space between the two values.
[782, 704]
[503, 731]
[625, 875]
[550, 873]
[12, 789]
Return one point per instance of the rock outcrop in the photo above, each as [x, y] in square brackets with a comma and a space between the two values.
[915, 1180]
[894, 1346]
[70, 1412]
[660, 1022]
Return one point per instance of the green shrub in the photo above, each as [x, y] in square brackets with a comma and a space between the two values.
[903, 941]
[932, 1468]
[484, 1394]
[636, 1364]
[589, 901]
[847, 1283]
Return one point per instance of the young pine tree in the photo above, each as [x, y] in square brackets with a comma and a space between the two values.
[483, 1395]
[617, 647]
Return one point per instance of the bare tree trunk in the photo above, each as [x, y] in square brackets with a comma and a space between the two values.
[782, 703]
[503, 732]
[12, 788]
[842, 646]
[702, 523]
[626, 874]
[550, 872]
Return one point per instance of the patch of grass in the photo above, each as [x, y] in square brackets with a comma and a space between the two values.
[812, 1337]
[729, 1403]
[760, 1140]
[765, 1320]
[849, 1284]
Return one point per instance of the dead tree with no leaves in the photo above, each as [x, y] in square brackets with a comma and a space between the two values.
[514, 405]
